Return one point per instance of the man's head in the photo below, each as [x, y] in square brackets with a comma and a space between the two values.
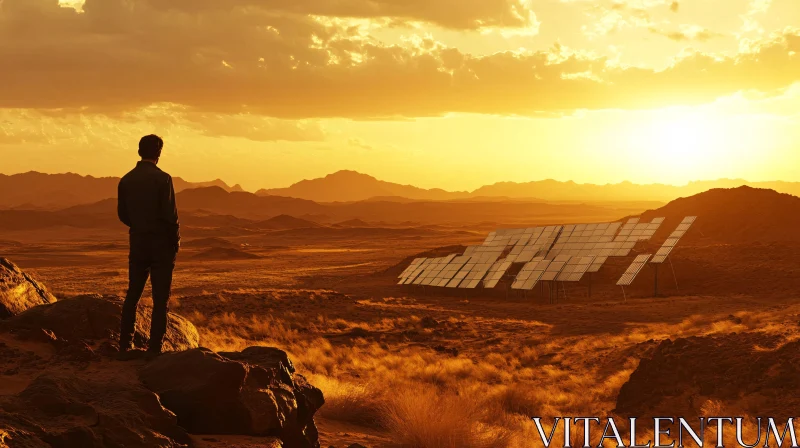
[150, 147]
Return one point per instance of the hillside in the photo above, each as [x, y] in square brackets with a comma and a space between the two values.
[35, 190]
[350, 186]
[735, 215]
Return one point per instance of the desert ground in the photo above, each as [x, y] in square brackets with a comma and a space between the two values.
[403, 366]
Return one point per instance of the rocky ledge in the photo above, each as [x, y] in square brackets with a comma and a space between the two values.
[61, 385]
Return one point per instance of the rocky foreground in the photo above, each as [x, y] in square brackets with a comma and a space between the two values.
[752, 373]
[61, 385]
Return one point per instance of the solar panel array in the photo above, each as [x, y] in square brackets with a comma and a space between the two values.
[634, 270]
[673, 239]
[552, 253]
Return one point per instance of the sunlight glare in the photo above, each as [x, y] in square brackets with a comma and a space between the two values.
[77, 5]
[683, 144]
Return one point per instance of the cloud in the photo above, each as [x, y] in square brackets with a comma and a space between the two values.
[255, 128]
[359, 143]
[45, 127]
[687, 33]
[453, 14]
[228, 62]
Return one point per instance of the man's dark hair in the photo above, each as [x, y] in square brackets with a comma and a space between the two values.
[150, 147]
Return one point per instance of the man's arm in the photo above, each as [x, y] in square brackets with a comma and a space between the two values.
[122, 210]
[169, 213]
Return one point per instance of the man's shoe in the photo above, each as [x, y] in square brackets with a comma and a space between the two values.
[130, 354]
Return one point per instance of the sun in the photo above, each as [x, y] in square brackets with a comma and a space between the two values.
[679, 146]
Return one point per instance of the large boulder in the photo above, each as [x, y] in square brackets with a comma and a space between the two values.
[212, 394]
[746, 373]
[18, 291]
[309, 398]
[97, 318]
[61, 410]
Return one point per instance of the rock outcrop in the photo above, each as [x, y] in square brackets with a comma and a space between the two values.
[212, 394]
[18, 291]
[309, 398]
[97, 318]
[66, 392]
[748, 373]
[62, 410]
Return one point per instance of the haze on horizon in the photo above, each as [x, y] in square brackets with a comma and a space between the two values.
[432, 93]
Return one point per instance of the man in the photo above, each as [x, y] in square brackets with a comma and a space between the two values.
[146, 204]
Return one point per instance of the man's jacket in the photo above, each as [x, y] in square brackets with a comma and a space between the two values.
[146, 203]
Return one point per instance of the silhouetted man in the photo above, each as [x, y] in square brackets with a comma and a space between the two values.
[146, 204]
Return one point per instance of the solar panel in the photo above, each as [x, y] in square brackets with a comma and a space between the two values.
[461, 274]
[597, 264]
[552, 270]
[475, 275]
[430, 271]
[496, 273]
[530, 274]
[672, 241]
[634, 270]
[575, 269]
[662, 254]
[445, 275]
[410, 277]
[413, 265]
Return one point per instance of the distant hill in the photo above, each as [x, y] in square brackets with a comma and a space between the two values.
[245, 205]
[735, 215]
[34, 190]
[211, 242]
[351, 186]
[552, 190]
[286, 222]
[354, 223]
[221, 253]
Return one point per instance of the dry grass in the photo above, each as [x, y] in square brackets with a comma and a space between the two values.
[482, 397]
[426, 419]
[350, 402]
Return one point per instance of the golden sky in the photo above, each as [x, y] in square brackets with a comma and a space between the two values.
[436, 93]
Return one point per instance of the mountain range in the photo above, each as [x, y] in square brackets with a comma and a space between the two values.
[33, 190]
[349, 186]
[730, 216]
[214, 204]
[37, 191]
